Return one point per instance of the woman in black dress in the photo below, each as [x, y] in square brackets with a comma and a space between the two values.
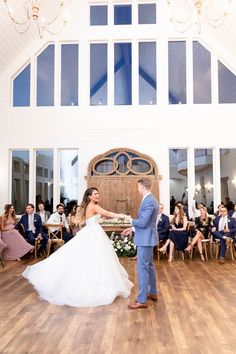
[202, 227]
[178, 236]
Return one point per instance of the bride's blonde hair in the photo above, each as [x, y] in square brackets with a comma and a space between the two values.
[84, 204]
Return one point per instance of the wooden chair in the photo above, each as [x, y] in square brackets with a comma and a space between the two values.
[54, 237]
[229, 246]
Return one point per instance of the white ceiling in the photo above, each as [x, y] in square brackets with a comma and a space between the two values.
[12, 43]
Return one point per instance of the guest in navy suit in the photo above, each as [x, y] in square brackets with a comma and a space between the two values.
[224, 229]
[32, 223]
[163, 224]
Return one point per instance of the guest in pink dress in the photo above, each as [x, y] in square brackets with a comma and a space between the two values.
[16, 245]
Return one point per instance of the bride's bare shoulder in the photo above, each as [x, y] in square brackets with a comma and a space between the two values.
[91, 210]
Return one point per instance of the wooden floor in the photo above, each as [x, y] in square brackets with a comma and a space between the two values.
[195, 313]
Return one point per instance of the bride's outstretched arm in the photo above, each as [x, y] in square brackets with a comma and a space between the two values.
[106, 213]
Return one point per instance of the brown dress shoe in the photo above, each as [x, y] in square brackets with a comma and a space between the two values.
[221, 261]
[138, 305]
[152, 297]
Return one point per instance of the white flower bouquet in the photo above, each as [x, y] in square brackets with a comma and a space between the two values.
[124, 246]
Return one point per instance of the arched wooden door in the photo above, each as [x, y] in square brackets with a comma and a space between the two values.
[115, 174]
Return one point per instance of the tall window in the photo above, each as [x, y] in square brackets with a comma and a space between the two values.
[21, 88]
[122, 14]
[204, 178]
[45, 77]
[68, 175]
[201, 74]
[122, 73]
[146, 13]
[98, 74]
[178, 165]
[98, 15]
[44, 178]
[177, 72]
[20, 180]
[147, 73]
[227, 84]
[69, 74]
[228, 175]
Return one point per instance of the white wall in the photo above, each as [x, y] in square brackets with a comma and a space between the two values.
[152, 130]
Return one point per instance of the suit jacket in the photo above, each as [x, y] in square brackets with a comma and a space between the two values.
[37, 223]
[145, 224]
[231, 224]
[46, 214]
[163, 225]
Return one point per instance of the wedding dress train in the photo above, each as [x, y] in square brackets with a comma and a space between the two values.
[84, 272]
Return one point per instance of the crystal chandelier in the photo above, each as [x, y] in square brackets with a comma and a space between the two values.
[36, 13]
[195, 12]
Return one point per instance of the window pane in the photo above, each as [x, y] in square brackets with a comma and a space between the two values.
[177, 72]
[178, 176]
[45, 77]
[204, 178]
[20, 180]
[146, 13]
[201, 74]
[44, 178]
[68, 176]
[98, 74]
[147, 73]
[21, 89]
[122, 15]
[227, 84]
[98, 15]
[228, 177]
[122, 69]
[69, 74]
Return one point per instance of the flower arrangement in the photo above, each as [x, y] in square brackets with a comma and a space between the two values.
[114, 221]
[124, 246]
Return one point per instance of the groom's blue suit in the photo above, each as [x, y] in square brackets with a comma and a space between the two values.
[145, 238]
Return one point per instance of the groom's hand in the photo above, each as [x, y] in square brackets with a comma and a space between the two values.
[127, 231]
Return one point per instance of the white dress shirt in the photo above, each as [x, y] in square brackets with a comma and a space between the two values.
[56, 218]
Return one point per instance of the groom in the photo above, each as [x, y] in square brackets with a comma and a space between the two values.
[145, 238]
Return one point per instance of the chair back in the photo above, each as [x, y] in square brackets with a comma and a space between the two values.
[54, 235]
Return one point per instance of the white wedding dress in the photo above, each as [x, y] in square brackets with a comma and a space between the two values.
[84, 272]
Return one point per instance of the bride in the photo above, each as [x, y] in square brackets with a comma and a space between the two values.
[86, 270]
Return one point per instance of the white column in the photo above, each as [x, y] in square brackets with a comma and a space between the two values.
[56, 178]
[31, 176]
[216, 176]
[191, 179]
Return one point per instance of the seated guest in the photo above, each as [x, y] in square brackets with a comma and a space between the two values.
[59, 218]
[178, 236]
[196, 210]
[17, 247]
[163, 224]
[202, 227]
[74, 219]
[45, 215]
[218, 209]
[224, 228]
[32, 224]
[234, 213]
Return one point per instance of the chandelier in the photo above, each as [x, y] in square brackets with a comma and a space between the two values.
[195, 12]
[36, 13]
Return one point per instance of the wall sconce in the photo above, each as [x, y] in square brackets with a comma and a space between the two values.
[234, 183]
[208, 187]
[198, 188]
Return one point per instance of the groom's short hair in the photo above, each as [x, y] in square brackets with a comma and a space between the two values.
[146, 182]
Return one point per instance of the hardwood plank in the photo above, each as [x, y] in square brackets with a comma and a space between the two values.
[195, 313]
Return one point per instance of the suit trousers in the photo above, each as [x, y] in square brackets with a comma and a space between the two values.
[146, 273]
[30, 236]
